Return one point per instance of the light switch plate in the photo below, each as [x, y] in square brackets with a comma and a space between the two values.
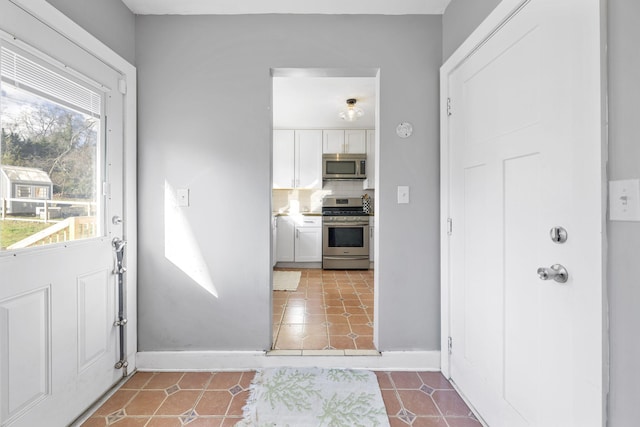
[182, 197]
[403, 194]
[624, 200]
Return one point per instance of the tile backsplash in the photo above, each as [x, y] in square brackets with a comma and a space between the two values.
[311, 200]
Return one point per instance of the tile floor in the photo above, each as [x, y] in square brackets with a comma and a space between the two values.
[331, 309]
[197, 399]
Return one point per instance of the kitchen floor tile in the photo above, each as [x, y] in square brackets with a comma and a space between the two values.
[333, 303]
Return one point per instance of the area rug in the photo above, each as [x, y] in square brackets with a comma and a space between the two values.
[314, 397]
[286, 280]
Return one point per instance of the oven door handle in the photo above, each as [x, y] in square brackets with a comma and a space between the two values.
[346, 224]
[342, 258]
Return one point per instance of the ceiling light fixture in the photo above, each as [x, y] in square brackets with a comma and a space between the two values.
[352, 112]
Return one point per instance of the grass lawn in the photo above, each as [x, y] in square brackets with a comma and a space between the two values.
[14, 231]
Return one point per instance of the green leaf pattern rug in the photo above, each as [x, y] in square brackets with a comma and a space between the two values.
[314, 397]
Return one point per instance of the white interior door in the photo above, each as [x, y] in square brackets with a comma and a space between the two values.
[58, 301]
[523, 149]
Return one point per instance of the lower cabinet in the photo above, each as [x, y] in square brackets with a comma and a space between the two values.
[308, 244]
[285, 233]
[299, 239]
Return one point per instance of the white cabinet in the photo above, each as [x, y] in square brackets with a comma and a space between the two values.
[308, 148]
[299, 239]
[344, 141]
[355, 141]
[283, 159]
[297, 159]
[285, 234]
[370, 182]
[308, 244]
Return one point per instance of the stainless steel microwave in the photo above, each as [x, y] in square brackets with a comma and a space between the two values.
[344, 166]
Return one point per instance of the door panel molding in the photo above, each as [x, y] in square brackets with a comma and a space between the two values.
[96, 310]
[25, 352]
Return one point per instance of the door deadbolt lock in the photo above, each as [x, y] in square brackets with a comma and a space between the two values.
[558, 235]
[556, 272]
[116, 220]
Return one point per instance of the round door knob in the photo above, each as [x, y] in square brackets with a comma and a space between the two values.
[556, 272]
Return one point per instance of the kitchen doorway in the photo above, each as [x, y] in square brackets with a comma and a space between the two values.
[332, 311]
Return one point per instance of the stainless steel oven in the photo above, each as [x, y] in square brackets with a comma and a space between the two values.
[345, 234]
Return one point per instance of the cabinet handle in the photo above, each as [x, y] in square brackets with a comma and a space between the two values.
[293, 183]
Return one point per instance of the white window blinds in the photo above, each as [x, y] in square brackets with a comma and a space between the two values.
[24, 73]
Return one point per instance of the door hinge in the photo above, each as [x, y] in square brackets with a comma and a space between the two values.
[106, 189]
[449, 106]
[449, 344]
[449, 226]
[122, 86]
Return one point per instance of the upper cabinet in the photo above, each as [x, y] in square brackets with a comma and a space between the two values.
[297, 159]
[308, 158]
[283, 159]
[344, 141]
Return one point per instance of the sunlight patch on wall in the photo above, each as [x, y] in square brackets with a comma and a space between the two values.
[180, 245]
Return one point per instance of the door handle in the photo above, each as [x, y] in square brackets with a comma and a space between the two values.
[556, 272]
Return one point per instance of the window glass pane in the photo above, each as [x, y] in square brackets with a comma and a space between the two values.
[49, 154]
[23, 191]
[41, 193]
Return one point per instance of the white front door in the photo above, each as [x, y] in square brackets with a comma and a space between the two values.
[58, 290]
[522, 151]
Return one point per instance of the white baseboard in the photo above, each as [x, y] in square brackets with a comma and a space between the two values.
[250, 360]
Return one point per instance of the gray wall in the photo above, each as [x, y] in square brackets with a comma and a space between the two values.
[624, 237]
[110, 21]
[204, 124]
[623, 267]
[460, 19]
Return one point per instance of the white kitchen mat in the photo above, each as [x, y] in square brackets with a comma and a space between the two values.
[286, 280]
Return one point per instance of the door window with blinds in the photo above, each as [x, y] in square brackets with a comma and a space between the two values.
[50, 153]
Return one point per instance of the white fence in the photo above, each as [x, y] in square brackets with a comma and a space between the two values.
[48, 210]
